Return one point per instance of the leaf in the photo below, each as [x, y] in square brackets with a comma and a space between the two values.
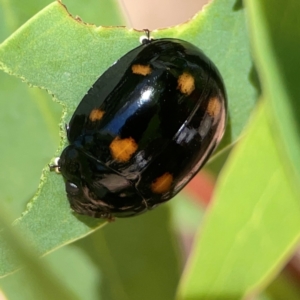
[25, 118]
[276, 49]
[104, 13]
[39, 277]
[29, 122]
[108, 263]
[136, 251]
[14, 13]
[253, 226]
[65, 56]
[254, 220]
[74, 269]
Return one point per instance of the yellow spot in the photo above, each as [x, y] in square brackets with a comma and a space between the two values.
[122, 149]
[141, 69]
[186, 83]
[96, 114]
[214, 107]
[162, 184]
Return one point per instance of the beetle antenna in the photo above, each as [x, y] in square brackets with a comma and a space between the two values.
[147, 32]
[146, 39]
[54, 166]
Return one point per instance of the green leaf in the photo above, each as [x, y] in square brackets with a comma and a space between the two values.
[135, 251]
[29, 122]
[276, 49]
[14, 13]
[253, 226]
[65, 56]
[74, 269]
[104, 13]
[108, 263]
[25, 118]
[44, 284]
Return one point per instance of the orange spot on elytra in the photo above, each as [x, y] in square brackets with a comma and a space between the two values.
[141, 69]
[96, 114]
[214, 107]
[122, 149]
[186, 83]
[162, 184]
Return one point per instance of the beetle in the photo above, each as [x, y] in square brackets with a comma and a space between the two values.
[143, 130]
